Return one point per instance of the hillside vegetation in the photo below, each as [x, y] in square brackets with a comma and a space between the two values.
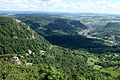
[110, 32]
[25, 55]
[65, 32]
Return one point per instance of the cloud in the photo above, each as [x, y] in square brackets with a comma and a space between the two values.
[45, 0]
[98, 6]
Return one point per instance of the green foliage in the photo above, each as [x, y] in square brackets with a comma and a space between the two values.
[16, 34]
[111, 32]
[10, 71]
[77, 42]
[64, 32]
[47, 25]
[50, 62]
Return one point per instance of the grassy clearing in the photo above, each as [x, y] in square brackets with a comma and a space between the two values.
[115, 71]
[92, 60]
[97, 67]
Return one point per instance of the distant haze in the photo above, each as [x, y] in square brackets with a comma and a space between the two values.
[76, 6]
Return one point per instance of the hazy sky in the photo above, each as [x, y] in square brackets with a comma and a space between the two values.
[82, 6]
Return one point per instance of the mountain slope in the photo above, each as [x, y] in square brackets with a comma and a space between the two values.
[64, 32]
[52, 25]
[111, 32]
[21, 45]
[26, 55]
[14, 34]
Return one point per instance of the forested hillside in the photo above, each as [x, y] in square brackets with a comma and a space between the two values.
[45, 25]
[65, 32]
[110, 32]
[25, 55]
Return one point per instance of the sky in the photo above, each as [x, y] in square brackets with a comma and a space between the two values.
[75, 6]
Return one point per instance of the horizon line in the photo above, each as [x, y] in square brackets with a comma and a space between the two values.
[64, 12]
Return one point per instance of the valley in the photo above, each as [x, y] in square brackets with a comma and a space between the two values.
[59, 47]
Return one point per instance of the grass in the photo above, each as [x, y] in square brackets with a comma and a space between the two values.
[97, 67]
[112, 70]
[92, 60]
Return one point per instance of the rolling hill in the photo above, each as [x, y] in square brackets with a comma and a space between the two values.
[110, 32]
